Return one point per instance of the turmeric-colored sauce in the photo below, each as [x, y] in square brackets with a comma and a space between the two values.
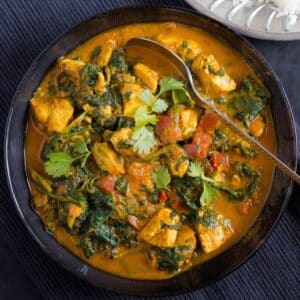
[219, 78]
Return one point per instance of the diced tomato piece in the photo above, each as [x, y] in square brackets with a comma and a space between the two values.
[106, 183]
[162, 197]
[167, 130]
[202, 140]
[198, 149]
[217, 159]
[208, 122]
[176, 202]
[132, 220]
[207, 166]
[191, 150]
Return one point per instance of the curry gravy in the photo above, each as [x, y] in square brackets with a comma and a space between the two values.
[134, 263]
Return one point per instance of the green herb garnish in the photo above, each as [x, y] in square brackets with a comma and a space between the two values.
[161, 177]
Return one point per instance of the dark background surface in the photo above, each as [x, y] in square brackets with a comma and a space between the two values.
[26, 28]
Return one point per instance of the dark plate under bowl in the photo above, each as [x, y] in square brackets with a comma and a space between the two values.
[199, 275]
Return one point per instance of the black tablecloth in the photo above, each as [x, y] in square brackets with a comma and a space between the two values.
[26, 28]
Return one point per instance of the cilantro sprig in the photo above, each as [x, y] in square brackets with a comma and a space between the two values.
[209, 192]
[154, 103]
[179, 93]
[145, 116]
[161, 177]
[59, 163]
[143, 134]
[143, 138]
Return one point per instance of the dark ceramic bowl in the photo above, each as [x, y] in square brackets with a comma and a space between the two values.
[199, 275]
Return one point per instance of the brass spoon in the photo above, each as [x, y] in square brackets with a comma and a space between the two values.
[157, 56]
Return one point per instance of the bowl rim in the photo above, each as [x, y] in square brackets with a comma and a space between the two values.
[60, 260]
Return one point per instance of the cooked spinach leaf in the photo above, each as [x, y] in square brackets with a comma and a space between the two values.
[64, 82]
[89, 74]
[94, 54]
[117, 61]
[168, 259]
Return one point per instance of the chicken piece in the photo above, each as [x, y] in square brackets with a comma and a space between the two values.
[175, 157]
[187, 49]
[39, 200]
[147, 76]
[187, 242]
[125, 77]
[139, 177]
[73, 213]
[106, 52]
[212, 74]
[72, 66]
[257, 127]
[219, 174]
[161, 230]
[186, 237]
[177, 160]
[41, 110]
[107, 159]
[131, 101]
[60, 115]
[187, 120]
[213, 235]
[122, 143]
[165, 238]
[100, 84]
[170, 41]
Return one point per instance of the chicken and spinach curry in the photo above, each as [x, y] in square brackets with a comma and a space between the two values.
[130, 173]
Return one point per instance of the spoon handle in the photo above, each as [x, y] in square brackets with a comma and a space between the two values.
[182, 68]
[277, 162]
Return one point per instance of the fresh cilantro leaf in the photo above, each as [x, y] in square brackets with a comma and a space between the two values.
[195, 170]
[81, 147]
[181, 96]
[169, 84]
[58, 164]
[209, 193]
[146, 96]
[161, 177]
[159, 106]
[156, 105]
[142, 117]
[143, 138]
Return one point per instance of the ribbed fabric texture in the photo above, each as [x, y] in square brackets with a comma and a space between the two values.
[26, 28]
